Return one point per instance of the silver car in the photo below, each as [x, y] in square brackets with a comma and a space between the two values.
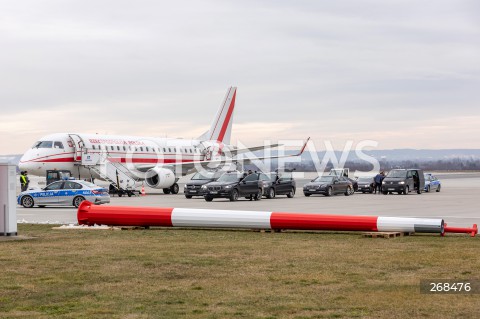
[64, 193]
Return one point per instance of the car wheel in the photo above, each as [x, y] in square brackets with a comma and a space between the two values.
[438, 188]
[348, 191]
[258, 195]
[234, 195]
[291, 193]
[352, 190]
[174, 188]
[77, 201]
[208, 199]
[428, 189]
[166, 190]
[329, 191]
[27, 201]
[406, 190]
[271, 193]
[188, 196]
[307, 195]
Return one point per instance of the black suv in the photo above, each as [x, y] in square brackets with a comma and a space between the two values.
[194, 186]
[234, 185]
[403, 181]
[279, 183]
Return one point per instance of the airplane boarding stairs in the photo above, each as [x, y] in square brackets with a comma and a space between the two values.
[114, 172]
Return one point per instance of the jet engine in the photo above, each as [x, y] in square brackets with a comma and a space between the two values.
[159, 178]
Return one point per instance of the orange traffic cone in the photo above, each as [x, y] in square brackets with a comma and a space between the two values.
[143, 191]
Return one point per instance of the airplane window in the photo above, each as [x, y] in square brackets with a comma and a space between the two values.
[169, 150]
[124, 148]
[118, 148]
[58, 145]
[43, 144]
[146, 148]
[141, 149]
[93, 147]
[164, 150]
[112, 147]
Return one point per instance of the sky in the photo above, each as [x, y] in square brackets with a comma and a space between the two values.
[405, 74]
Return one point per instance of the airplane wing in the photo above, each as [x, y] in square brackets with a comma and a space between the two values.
[235, 152]
[191, 165]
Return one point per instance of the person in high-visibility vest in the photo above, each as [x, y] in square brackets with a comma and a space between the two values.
[23, 181]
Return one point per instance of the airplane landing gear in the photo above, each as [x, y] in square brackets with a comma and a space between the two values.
[174, 188]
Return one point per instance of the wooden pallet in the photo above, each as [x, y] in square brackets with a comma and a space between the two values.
[134, 227]
[386, 234]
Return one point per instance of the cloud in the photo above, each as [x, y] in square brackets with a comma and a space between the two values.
[158, 67]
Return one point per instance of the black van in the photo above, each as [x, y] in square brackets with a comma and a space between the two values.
[403, 181]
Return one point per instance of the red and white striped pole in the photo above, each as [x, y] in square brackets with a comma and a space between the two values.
[89, 214]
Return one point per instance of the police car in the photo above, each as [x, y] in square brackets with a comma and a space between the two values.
[64, 193]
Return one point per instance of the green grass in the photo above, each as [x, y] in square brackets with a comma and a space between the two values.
[172, 273]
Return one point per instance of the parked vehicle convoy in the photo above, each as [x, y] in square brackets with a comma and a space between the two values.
[328, 185]
[233, 185]
[403, 181]
[365, 184]
[432, 183]
[280, 183]
[64, 193]
[194, 186]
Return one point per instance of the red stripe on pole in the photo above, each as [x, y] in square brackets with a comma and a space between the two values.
[123, 215]
[322, 222]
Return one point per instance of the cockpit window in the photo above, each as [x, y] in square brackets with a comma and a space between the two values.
[43, 144]
[58, 145]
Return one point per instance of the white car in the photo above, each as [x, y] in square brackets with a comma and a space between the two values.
[64, 193]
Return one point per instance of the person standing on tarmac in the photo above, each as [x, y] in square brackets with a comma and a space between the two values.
[23, 181]
[28, 180]
[378, 182]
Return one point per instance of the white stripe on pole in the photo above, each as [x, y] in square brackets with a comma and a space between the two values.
[407, 224]
[192, 217]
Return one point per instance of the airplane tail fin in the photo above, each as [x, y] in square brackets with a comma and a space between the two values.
[221, 128]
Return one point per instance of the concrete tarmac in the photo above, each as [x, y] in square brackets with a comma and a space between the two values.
[457, 203]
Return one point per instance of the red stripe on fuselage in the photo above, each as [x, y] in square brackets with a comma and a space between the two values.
[121, 160]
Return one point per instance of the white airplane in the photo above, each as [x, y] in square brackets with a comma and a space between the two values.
[126, 160]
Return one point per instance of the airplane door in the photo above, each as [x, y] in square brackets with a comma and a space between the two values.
[78, 145]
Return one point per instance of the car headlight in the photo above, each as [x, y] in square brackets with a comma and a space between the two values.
[401, 183]
[204, 186]
[228, 187]
[383, 183]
